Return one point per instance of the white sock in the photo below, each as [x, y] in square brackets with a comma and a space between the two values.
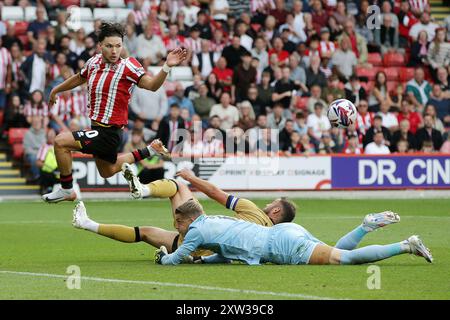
[406, 246]
[366, 228]
[90, 225]
[145, 191]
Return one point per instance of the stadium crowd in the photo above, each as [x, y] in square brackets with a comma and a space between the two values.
[257, 66]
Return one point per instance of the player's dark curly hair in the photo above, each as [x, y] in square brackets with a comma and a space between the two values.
[109, 29]
[289, 209]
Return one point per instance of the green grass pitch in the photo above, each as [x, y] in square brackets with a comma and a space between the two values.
[38, 244]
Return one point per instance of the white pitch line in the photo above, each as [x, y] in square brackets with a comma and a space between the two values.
[68, 222]
[177, 285]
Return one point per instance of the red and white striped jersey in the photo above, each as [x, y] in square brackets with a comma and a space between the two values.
[326, 47]
[109, 88]
[5, 60]
[139, 16]
[195, 45]
[54, 71]
[419, 5]
[65, 108]
[172, 44]
[80, 98]
[364, 122]
[35, 110]
[262, 5]
[42, 153]
[15, 66]
[217, 46]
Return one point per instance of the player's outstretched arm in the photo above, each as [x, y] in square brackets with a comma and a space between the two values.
[215, 258]
[192, 241]
[207, 188]
[71, 83]
[174, 58]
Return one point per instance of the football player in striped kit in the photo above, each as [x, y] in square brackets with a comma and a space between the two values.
[111, 80]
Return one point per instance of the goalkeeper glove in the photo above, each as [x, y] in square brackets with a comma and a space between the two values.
[188, 259]
[161, 252]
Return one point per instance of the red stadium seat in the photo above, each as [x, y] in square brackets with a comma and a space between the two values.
[301, 102]
[374, 59]
[16, 135]
[170, 88]
[393, 59]
[406, 74]
[17, 151]
[392, 87]
[368, 86]
[20, 28]
[392, 73]
[1, 117]
[368, 73]
[68, 3]
[24, 39]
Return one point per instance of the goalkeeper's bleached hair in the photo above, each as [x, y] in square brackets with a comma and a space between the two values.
[190, 208]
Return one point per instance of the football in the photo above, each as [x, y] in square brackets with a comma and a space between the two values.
[342, 113]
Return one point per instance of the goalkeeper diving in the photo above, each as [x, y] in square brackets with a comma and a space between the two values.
[258, 235]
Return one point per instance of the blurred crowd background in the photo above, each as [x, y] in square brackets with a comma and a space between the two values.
[258, 80]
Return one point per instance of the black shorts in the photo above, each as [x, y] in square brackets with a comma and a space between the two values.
[102, 142]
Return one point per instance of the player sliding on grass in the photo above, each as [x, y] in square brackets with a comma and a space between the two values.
[111, 79]
[234, 239]
[180, 194]
[285, 243]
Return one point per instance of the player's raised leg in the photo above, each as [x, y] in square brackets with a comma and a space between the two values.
[163, 188]
[324, 254]
[64, 145]
[155, 148]
[154, 236]
[176, 191]
[371, 222]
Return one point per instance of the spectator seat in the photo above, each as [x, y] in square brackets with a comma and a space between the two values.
[122, 14]
[154, 69]
[88, 26]
[393, 59]
[105, 14]
[86, 14]
[116, 4]
[24, 39]
[406, 74]
[68, 3]
[392, 87]
[368, 73]
[12, 13]
[186, 84]
[368, 86]
[16, 135]
[30, 14]
[181, 74]
[20, 28]
[169, 87]
[374, 59]
[392, 73]
[17, 151]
